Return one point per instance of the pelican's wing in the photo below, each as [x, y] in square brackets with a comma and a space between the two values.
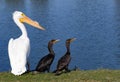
[11, 53]
[18, 50]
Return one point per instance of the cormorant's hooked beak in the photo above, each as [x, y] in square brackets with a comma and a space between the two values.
[72, 39]
[56, 40]
[29, 21]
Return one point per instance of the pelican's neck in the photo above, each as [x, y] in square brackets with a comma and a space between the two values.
[21, 26]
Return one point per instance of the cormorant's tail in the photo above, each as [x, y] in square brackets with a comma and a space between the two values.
[58, 73]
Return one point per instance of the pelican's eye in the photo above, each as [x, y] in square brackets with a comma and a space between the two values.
[22, 18]
[22, 14]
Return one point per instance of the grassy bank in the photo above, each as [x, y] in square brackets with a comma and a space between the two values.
[73, 76]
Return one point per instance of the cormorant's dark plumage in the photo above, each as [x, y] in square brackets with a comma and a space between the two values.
[45, 63]
[64, 60]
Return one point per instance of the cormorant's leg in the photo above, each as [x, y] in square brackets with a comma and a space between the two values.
[28, 65]
[66, 69]
[48, 69]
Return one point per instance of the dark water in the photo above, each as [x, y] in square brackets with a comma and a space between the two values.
[95, 24]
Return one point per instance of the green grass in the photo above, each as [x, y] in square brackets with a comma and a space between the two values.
[73, 76]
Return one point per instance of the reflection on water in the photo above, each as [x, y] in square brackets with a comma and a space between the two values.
[95, 24]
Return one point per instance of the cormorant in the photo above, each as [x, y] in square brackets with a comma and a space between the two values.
[45, 63]
[64, 60]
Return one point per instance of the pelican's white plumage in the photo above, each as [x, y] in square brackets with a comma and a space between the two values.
[19, 48]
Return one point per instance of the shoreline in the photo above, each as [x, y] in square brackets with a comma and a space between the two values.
[100, 75]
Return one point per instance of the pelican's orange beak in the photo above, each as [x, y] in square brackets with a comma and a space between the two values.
[29, 21]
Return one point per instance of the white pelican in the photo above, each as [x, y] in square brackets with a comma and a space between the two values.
[19, 48]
